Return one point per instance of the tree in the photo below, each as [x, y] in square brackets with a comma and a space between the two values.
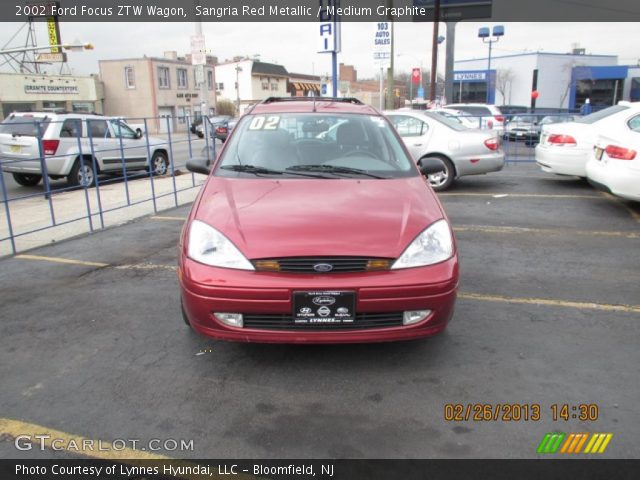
[226, 107]
[504, 80]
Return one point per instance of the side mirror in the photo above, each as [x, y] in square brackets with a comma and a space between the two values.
[429, 166]
[138, 134]
[199, 165]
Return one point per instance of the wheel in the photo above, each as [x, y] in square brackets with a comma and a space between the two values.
[442, 180]
[82, 174]
[159, 164]
[27, 179]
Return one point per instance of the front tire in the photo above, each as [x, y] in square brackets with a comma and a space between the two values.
[442, 180]
[82, 174]
[27, 179]
[159, 164]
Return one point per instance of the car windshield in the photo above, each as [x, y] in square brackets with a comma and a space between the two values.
[523, 119]
[24, 125]
[317, 145]
[600, 114]
[452, 122]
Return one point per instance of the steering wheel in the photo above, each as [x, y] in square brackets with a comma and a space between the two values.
[356, 153]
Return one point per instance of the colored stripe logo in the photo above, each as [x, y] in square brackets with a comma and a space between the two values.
[573, 443]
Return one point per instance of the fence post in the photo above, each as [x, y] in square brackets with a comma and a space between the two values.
[173, 173]
[95, 171]
[5, 200]
[86, 190]
[45, 173]
[153, 189]
[124, 166]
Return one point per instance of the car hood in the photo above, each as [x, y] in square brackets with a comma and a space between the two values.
[269, 218]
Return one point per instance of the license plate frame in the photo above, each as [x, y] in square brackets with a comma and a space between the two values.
[326, 307]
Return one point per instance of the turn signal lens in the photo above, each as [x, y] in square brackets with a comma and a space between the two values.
[267, 265]
[378, 265]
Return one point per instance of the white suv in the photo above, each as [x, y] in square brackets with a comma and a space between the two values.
[70, 142]
[489, 116]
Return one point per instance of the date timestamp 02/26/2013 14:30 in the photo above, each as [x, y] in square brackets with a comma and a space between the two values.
[516, 412]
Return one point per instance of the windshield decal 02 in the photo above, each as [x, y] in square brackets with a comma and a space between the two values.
[264, 123]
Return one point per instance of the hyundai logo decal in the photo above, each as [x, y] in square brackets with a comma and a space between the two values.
[323, 267]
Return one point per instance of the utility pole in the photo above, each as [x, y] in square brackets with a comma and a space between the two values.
[390, 83]
[434, 51]
[204, 108]
[448, 69]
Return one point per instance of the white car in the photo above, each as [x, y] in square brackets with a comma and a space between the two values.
[70, 143]
[489, 117]
[614, 164]
[461, 150]
[564, 148]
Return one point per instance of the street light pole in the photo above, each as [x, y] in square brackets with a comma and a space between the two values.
[483, 33]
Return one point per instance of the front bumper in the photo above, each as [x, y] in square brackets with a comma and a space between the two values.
[206, 290]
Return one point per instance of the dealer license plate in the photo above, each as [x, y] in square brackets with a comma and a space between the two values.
[323, 307]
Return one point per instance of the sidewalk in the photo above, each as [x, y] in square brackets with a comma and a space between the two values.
[34, 214]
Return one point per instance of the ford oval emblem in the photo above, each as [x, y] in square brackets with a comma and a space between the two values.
[324, 300]
[323, 267]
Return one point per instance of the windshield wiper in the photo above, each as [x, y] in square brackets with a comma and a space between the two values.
[333, 169]
[266, 171]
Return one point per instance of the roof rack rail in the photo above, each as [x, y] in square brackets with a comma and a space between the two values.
[353, 100]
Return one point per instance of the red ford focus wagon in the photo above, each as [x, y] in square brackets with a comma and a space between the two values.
[316, 226]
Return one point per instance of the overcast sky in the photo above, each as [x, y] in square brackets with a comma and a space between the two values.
[294, 45]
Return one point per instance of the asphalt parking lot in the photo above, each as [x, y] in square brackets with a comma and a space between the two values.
[92, 343]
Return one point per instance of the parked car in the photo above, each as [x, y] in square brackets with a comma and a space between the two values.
[614, 164]
[459, 116]
[212, 124]
[564, 148]
[223, 129]
[461, 151]
[297, 239]
[489, 116]
[523, 127]
[70, 142]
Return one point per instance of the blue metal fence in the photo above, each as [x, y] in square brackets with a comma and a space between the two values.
[39, 201]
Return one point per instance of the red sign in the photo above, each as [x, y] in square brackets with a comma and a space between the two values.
[416, 76]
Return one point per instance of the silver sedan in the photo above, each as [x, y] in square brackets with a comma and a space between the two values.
[462, 151]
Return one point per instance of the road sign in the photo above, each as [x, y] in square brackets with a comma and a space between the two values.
[420, 93]
[50, 58]
[382, 43]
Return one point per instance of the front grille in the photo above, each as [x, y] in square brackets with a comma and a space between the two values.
[306, 264]
[285, 322]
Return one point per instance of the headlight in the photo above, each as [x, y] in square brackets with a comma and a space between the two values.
[209, 246]
[433, 245]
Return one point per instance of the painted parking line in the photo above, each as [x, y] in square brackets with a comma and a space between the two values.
[544, 231]
[550, 302]
[516, 195]
[71, 261]
[56, 440]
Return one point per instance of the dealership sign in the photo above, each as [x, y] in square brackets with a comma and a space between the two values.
[52, 89]
[382, 43]
[469, 76]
